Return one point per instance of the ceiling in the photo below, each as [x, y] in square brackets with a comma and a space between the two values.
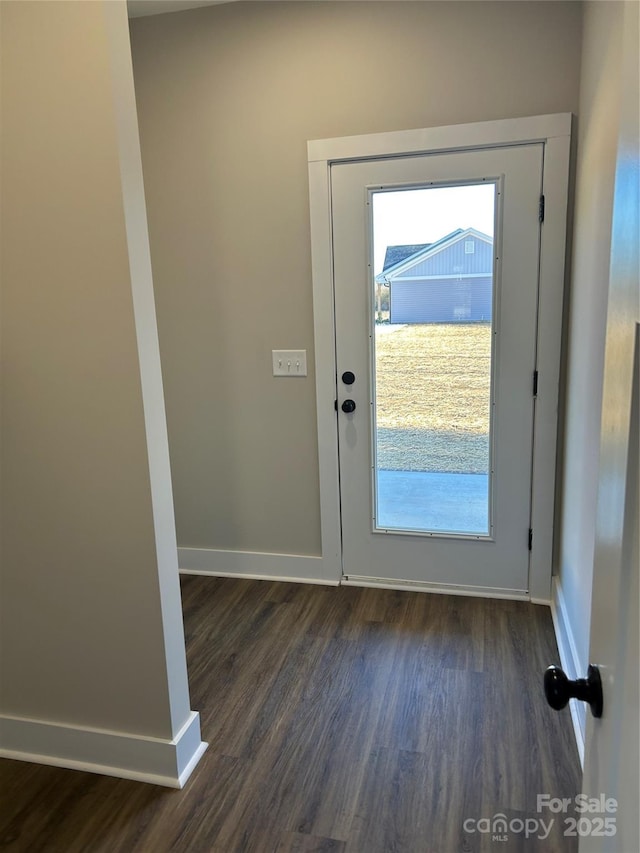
[139, 8]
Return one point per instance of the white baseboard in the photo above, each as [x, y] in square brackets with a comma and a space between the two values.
[569, 660]
[440, 589]
[253, 565]
[145, 759]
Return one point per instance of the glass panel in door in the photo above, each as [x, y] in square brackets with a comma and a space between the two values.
[433, 310]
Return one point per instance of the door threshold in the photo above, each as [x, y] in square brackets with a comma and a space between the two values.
[438, 588]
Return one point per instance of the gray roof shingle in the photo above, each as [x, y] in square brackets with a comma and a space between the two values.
[395, 254]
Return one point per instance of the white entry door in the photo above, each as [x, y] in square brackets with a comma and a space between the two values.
[436, 266]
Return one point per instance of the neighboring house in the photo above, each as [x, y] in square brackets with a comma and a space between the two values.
[448, 281]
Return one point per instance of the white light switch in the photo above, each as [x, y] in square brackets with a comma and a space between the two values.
[289, 362]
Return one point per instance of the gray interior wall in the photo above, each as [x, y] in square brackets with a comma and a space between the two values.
[84, 636]
[227, 98]
[598, 127]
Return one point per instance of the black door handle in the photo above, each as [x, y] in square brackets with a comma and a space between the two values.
[349, 406]
[559, 689]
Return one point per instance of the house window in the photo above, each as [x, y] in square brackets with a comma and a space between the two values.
[469, 247]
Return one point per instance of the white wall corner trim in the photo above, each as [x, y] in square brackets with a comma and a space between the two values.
[145, 759]
[569, 661]
[253, 565]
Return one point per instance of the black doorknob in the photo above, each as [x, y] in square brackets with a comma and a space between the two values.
[348, 377]
[349, 406]
[559, 689]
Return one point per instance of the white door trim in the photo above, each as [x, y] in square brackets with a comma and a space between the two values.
[555, 132]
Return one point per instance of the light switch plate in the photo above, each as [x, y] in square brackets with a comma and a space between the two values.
[289, 362]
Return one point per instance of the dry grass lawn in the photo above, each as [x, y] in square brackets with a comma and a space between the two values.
[433, 386]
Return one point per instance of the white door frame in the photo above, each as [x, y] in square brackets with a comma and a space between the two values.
[555, 132]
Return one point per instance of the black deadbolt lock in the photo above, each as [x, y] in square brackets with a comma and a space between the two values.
[348, 377]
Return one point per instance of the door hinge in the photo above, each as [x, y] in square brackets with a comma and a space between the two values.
[535, 383]
[530, 538]
[541, 209]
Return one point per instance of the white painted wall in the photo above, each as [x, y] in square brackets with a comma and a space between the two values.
[598, 124]
[93, 657]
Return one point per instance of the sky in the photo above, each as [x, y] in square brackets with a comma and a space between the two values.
[426, 215]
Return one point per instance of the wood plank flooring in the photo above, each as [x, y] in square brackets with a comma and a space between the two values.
[339, 719]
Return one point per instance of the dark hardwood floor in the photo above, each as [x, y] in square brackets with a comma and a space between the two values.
[339, 719]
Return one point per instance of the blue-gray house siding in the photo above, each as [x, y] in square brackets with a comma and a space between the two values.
[450, 281]
[441, 301]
